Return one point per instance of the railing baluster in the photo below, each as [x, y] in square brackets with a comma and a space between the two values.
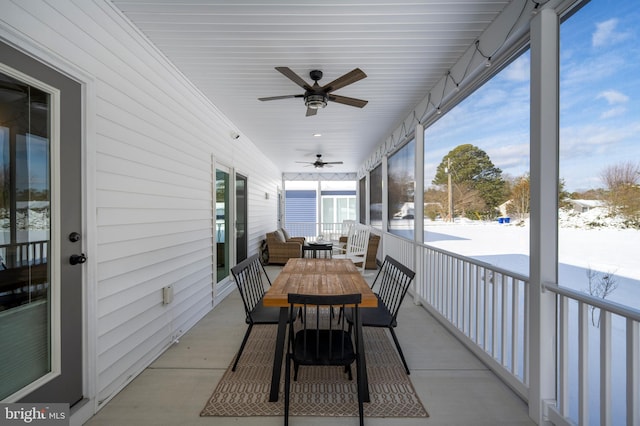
[477, 304]
[515, 327]
[525, 337]
[503, 338]
[465, 298]
[583, 363]
[563, 361]
[633, 369]
[605, 368]
[486, 310]
[494, 316]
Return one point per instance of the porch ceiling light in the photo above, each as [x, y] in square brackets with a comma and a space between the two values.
[315, 101]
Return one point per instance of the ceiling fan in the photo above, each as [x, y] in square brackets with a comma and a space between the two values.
[318, 164]
[316, 96]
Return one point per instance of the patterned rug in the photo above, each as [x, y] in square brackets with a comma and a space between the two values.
[319, 391]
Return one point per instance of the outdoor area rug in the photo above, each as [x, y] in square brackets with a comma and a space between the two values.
[319, 391]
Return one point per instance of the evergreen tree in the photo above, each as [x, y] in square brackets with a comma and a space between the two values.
[472, 172]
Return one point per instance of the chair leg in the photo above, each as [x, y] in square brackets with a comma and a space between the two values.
[244, 342]
[287, 385]
[395, 339]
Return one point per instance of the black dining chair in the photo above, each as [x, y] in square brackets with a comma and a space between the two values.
[319, 341]
[248, 276]
[392, 282]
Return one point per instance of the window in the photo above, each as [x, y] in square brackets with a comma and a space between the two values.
[401, 191]
[375, 197]
[477, 172]
[362, 191]
[336, 208]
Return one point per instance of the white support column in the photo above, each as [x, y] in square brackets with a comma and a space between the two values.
[418, 200]
[385, 195]
[319, 208]
[418, 215]
[367, 203]
[544, 209]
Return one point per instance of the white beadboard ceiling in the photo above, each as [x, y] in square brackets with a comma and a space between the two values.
[229, 49]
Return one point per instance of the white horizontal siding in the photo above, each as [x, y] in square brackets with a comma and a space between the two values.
[153, 137]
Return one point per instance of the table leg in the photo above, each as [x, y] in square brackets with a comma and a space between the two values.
[277, 358]
[362, 373]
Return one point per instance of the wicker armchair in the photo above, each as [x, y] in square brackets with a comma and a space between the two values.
[282, 249]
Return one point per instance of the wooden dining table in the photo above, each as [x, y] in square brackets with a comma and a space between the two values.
[318, 277]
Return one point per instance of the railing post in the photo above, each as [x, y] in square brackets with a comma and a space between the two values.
[543, 254]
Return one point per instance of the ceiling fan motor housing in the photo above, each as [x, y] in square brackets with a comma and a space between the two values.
[315, 75]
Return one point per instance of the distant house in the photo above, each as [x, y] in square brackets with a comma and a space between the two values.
[582, 206]
[503, 208]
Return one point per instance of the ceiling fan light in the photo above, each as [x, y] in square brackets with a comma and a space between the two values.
[315, 101]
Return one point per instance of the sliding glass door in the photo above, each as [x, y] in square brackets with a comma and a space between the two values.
[241, 218]
[223, 210]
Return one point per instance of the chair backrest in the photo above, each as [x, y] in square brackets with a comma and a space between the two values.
[319, 339]
[393, 281]
[358, 243]
[248, 276]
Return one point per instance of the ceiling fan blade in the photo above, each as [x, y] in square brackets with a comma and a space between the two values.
[332, 162]
[273, 98]
[287, 72]
[349, 78]
[359, 103]
[311, 111]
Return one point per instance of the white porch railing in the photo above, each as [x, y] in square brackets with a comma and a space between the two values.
[23, 254]
[311, 230]
[616, 365]
[483, 305]
[487, 308]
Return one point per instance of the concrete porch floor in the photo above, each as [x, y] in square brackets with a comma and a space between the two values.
[454, 386]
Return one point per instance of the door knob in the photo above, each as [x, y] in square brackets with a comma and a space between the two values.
[76, 259]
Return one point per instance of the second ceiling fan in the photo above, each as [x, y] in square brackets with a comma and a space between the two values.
[316, 96]
[319, 164]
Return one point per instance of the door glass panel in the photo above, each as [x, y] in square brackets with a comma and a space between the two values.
[241, 218]
[25, 297]
[222, 224]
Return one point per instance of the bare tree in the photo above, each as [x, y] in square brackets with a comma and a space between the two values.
[622, 189]
[601, 285]
[435, 199]
[468, 201]
[520, 198]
